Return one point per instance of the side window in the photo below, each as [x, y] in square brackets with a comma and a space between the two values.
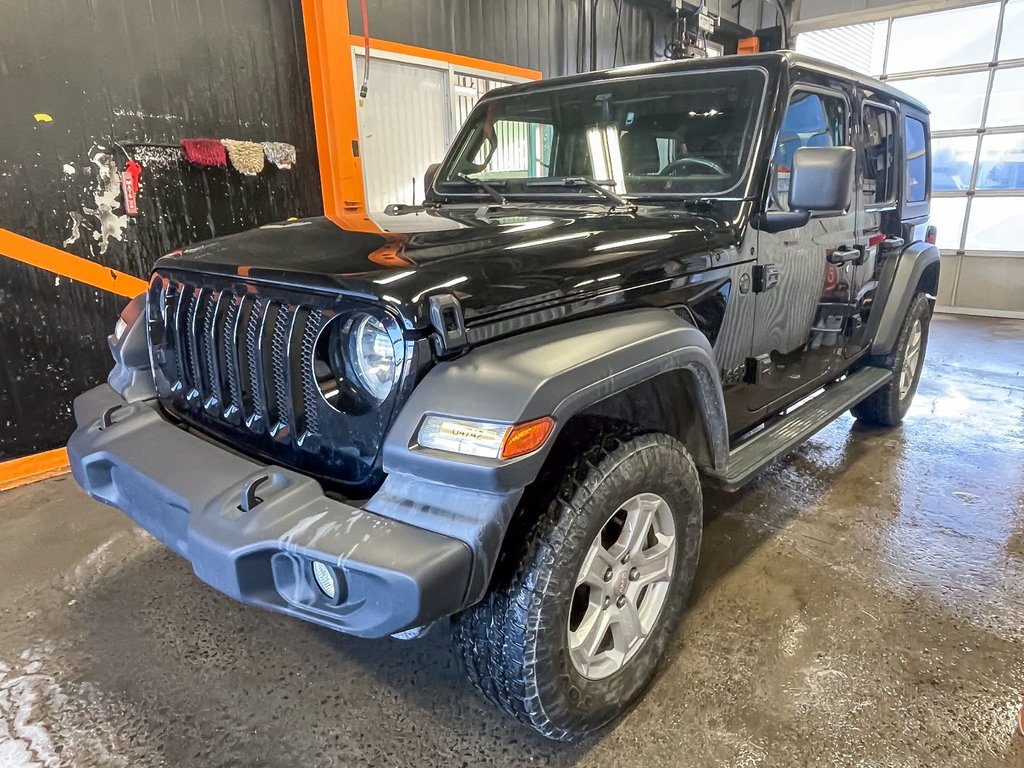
[879, 155]
[917, 160]
[811, 120]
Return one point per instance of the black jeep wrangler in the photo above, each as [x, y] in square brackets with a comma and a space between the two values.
[500, 406]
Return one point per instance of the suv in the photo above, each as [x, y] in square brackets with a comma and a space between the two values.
[499, 406]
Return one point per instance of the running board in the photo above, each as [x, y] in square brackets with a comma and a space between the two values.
[750, 456]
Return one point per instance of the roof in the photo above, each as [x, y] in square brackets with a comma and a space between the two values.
[773, 61]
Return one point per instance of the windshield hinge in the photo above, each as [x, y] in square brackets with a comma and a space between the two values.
[449, 325]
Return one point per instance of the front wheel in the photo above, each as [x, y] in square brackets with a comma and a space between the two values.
[573, 630]
[888, 405]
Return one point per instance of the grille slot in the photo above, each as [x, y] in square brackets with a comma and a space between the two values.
[239, 359]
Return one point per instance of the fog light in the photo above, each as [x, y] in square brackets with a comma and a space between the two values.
[325, 579]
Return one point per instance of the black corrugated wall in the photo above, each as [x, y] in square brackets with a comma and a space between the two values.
[153, 72]
[539, 34]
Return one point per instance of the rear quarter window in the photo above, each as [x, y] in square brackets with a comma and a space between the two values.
[915, 138]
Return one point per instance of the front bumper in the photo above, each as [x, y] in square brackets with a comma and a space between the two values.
[188, 492]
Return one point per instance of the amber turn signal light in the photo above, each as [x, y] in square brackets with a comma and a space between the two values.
[526, 437]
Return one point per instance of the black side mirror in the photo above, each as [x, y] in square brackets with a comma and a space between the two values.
[428, 177]
[822, 179]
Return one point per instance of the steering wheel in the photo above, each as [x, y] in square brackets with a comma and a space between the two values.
[677, 167]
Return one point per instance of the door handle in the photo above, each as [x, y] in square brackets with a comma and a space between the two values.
[845, 254]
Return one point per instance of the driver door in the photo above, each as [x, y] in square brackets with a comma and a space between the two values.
[802, 297]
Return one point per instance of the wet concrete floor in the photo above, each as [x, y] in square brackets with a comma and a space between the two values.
[861, 604]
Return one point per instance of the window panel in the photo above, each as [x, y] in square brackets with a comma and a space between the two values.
[1006, 107]
[1002, 162]
[995, 224]
[967, 36]
[521, 150]
[956, 101]
[947, 214]
[860, 47]
[917, 160]
[1012, 44]
[879, 160]
[811, 120]
[952, 163]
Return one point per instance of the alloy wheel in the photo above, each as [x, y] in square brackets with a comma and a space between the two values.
[622, 586]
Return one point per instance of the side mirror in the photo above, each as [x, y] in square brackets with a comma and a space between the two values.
[428, 177]
[822, 179]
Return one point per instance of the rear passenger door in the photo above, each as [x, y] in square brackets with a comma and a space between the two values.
[878, 160]
[803, 286]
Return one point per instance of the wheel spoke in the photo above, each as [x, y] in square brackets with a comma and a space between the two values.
[639, 518]
[626, 627]
[595, 566]
[586, 640]
[654, 566]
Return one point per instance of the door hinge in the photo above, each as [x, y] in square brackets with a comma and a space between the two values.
[758, 369]
[765, 276]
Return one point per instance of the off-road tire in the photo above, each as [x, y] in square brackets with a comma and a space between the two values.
[885, 407]
[514, 643]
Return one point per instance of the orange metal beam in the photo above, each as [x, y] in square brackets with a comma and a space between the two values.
[29, 469]
[36, 254]
[335, 119]
[454, 59]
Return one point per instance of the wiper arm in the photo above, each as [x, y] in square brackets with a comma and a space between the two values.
[600, 187]
[481, 184]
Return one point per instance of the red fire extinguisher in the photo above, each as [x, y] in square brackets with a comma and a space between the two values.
[130, 187]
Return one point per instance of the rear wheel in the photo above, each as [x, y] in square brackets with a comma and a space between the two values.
[573, 630]
[888, 405]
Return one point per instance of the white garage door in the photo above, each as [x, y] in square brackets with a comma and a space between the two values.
[412, 111]
[967, 65]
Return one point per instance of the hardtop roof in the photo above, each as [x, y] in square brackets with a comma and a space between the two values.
[772, 61]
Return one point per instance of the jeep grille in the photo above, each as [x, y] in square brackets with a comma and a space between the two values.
[237, 361]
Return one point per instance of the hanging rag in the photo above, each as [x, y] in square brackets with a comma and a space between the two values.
[279, 153]
[205, 152]
[245, 156]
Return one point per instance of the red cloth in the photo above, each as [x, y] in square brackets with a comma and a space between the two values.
[205, 152]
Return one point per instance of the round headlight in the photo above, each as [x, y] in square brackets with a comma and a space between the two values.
[373, 356]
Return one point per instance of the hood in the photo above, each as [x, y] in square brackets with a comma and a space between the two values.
[503, 263]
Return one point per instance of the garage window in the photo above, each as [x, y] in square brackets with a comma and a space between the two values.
[967, 65]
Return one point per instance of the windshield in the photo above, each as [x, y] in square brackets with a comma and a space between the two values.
[680, 133]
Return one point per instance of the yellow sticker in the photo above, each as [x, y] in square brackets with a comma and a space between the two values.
[42, 117]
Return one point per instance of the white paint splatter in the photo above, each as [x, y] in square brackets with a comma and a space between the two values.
[69, 169]
[75, 220]
[106, 196]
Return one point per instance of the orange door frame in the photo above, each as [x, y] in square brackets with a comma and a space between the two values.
[329, 42]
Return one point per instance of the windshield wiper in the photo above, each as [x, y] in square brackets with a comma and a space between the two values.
[481, 184]
[618, 201]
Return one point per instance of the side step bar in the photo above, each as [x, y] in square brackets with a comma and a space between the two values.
[751, 455]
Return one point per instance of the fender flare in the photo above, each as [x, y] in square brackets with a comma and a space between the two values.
[910, 267]
[556, 371]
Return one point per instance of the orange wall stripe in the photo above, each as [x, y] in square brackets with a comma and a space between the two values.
[36, 254]
[454, 59]
[29, 469]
